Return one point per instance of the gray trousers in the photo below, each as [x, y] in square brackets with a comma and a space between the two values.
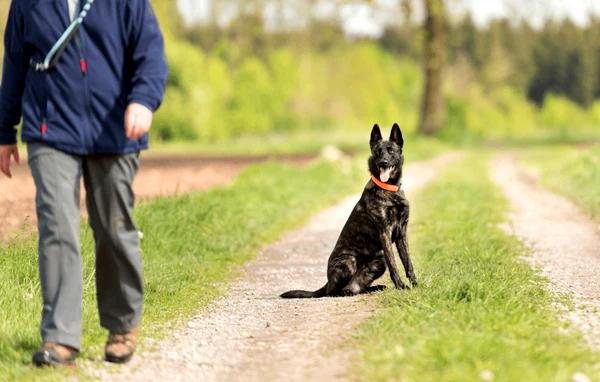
[109, 199]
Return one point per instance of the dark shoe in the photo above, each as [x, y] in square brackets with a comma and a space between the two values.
[52, 354]
[120, 347]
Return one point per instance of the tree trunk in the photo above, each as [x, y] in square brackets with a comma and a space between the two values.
[433, 107]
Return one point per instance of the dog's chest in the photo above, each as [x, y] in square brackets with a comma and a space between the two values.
[390, 213]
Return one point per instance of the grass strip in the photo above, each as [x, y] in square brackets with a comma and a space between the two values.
[571, 171]
[311, 142]
[480, 312]
[192, 244]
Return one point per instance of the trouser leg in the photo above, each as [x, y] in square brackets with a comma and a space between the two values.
[119, 283]
[57, 176]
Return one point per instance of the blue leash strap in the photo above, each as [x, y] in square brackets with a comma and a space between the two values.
[59, 47]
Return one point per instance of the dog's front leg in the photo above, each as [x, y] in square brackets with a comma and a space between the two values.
[390, 261]
[402, 246]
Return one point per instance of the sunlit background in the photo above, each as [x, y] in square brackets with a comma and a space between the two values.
[512, 70]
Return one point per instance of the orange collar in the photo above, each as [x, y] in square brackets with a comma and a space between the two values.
[384, 186]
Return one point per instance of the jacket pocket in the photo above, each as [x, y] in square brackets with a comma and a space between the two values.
[35, 102]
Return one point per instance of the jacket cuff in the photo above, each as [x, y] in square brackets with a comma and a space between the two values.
[8, 137]
[151, 104]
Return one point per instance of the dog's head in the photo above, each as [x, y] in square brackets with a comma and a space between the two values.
[386, 158]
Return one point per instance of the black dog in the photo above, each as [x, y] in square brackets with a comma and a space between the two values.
[379, 219]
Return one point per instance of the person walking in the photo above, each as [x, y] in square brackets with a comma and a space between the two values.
[85, 77]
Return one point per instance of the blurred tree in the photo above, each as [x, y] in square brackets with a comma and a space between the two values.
[402, 39]
[517, 41]
[593, 35]
[168, 16]
[4, 6]
[579, 77]
[325, 35]
[550, 64]
[497, 67]
[466, 39]
[433, 106]
[565, 62]
[206, 37]
[248, 36]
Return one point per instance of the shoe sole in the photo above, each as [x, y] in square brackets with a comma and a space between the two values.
[42, 361]
[115, 359]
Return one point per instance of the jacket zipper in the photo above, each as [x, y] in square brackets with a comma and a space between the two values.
[44, 124]
[83, 66]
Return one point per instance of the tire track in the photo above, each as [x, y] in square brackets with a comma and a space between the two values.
[564, 242]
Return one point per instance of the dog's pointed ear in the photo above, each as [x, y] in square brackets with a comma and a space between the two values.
[396, 135]
[375, 136]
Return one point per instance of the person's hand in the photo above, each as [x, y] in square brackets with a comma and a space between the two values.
[6, 151]
[138, 120]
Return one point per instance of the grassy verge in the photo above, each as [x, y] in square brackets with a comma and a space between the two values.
[480, 312]
[297, 143]
[192, 245]
[571, 171]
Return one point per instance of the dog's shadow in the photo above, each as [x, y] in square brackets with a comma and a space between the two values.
[367, 290]
[374, 288]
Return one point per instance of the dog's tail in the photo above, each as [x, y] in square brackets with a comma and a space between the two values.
[305, 294]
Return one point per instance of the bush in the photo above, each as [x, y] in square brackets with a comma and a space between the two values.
[560, 114]
[353, 87]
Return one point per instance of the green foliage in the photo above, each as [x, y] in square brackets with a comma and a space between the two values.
[479, 308]
[288, 91]
[357, 86]
[4, 8]
[498, 114]
[565, 63]
[560, 58]
[242, 81]
[504, 113]
[251, 107]
[198, 90]
[561, 114]
[192, 245]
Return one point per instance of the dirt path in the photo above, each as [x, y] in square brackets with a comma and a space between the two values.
[252, 335]
[565, 243]
[159, 175]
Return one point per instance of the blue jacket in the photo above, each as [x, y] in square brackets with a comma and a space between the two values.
[74, 109]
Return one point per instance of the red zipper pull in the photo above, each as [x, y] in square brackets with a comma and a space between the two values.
[44, 127]
[83, 65]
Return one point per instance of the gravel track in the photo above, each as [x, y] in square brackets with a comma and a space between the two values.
[251, 334]
[564, 242]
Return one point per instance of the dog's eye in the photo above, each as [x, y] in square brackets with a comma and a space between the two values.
[390, 150]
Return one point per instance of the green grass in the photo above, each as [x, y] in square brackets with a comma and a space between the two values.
[479, 306]
[571, 171]
[192, 245]
[310, 142]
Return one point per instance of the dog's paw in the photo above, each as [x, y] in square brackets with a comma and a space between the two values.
[347, 293]
[400, 285]
[413, 282]
[375, 288]
[397, 281]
